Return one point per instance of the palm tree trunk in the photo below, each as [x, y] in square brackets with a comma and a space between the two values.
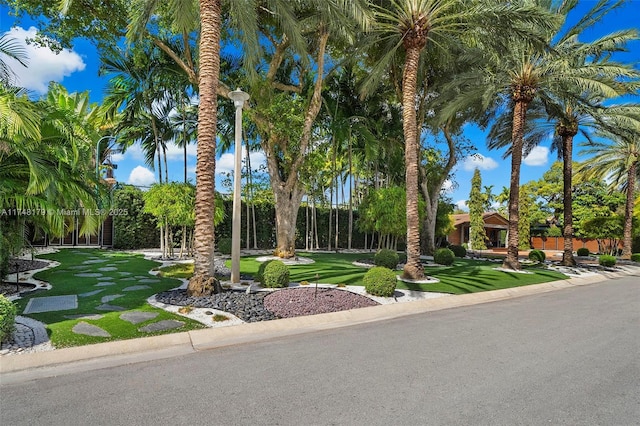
[567, 231]
[517, 134]
[351, 191]
[203, 281]
[413, 268]
[628, 212]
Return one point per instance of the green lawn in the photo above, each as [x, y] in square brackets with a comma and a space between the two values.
[65, 282]
[464, 276]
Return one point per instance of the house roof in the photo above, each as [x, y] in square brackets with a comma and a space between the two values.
[460, 219]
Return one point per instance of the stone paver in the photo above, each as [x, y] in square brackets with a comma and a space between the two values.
[89, 274]
[93, 317]
[107, 299]
[104, 278]
[136, 287]
[105, 284]
[124, 273]
[149, 281]
[108, 269]
[161, 326]
[93, 261]
[51, 303]
[91, 293]
[110, 308]
[89, 330]
[137, 317]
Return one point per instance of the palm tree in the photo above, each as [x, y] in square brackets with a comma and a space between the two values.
[618, 158]
[11, 49]
[409, 26]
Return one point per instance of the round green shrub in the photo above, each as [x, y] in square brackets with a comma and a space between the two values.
[607, 260]
[537, 256]
[458, 251]
[7, 318]
[260, 274]
[276, 275]
[444, 256]
[582, 251]
[635, 257]
[386, 258]
[224, 245]
[380, 281]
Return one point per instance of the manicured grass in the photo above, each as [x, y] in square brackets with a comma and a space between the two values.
[464, 276]
[179, 270]
[65, 282]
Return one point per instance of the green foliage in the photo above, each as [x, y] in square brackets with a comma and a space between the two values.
[7, 318]
[380, 281]
[223, 245]
[635, 257]
[136, 229]
[387, 258]
[537, 256]
[582, 251]
[607, 260]
[4, 256]
[458, 251]
[276, 275]
[172, 202]
[477, 233]
[260, 274]
[444, 256]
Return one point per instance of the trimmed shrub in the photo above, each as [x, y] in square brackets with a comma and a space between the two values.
[260, 274]
[607, 260]
[276, 275]
[7, 318]
[386, 258]
[537, 256]
[582, 251]
[444, 256]
[224, 245]
[380, 281]
[458, 251]
[635, 257]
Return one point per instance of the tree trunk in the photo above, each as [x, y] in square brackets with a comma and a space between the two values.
[517, 134]
[413, 268]
[288, 203]
[351, 192]
[567, 172]
[203, 281]
[628, 211]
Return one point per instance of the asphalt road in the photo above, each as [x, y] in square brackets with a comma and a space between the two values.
[568, 357]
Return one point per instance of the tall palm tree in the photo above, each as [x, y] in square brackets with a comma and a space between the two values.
[10, 48]
[618, 158]
[408, 26]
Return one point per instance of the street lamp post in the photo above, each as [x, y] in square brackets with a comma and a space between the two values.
[239, 98]
[101, 231]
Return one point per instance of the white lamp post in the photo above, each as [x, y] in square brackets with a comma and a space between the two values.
[239, 98]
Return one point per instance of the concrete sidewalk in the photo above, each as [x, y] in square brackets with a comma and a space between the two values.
[127, 351]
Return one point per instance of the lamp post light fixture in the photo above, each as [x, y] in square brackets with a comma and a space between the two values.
[98, 154]
[239, 98]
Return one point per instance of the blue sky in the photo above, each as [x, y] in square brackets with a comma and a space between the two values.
[77, 70]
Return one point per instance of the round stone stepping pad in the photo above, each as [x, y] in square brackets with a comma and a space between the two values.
[107, 299]
[105, 284]
[108, 269]
[110, 308]
[104, 278]
[89, 330]
[92, 261]
[89, 274]
[85, 316]
[136, 317]
[128, 279]
[124, 273]
[161, 326]
[77, 267]
[148, 281]
[91, 293]
[136, 287]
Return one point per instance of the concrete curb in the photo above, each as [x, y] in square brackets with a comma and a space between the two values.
[186, 342]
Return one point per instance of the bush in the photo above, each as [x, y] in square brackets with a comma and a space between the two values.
[4, 257]
[444, 256]
[537, 256]
[7, 318]
[224, 245]
[380, 281]
[276, 275]
[386, 258]
[635, 257]
[607, 260]
[260, 274]
[458, 251]
[582, 251]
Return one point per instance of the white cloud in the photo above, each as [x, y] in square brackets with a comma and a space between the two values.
[479, 161]
[537, 157]
[141, 176]
[225, 163]
[44, 65]
[447, 186]
[174, 152]
[134, 152]
[462, 205]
